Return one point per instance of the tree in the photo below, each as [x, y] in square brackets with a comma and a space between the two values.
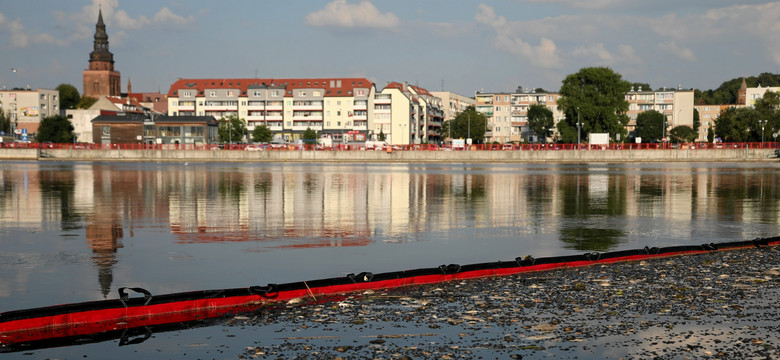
[86, 102]
[231, 129]
[643, 86]
[5, 121]
[696, 120]
[57, 129]
[682, 133]
[381, 136]
[595, 96]
[310, 136]
[262, 134]
[649, 126]
[540, 120]
[738, 125]
[458, 128]
[69, 96]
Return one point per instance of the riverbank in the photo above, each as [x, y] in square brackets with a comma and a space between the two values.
[419, 156]
[715, 305]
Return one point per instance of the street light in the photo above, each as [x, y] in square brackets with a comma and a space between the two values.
[762, 123]
[579, 126]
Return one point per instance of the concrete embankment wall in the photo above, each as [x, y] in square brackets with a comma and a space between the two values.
[671, 155]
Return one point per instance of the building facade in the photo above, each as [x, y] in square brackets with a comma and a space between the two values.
[453, 104]
[335, 107]
[675, 105]
[101, 78]
[416, 115]
[507, 114]
[135, 128]
[26, 108]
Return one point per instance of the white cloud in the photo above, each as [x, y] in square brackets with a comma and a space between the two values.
[583, 4]
[339, 13]
[544, 55]
[81, 25]
[672, 48]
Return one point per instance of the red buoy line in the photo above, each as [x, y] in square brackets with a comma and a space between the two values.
[118, 318]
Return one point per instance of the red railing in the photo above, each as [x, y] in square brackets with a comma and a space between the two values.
[420, 147]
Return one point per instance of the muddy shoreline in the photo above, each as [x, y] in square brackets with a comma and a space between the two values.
[716, 305]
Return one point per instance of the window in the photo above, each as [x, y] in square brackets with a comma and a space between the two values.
[301, 93]
[212, 93]
[105, 130]
[257, 93]
[230, 93]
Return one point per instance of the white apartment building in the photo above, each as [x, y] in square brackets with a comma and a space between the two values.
[26, 108]
[753, 94]
[416, 115]
[341, 108]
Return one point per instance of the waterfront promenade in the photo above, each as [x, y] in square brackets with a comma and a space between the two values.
[726, 154]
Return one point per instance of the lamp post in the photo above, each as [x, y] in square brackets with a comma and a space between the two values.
[762, 123]
[579, 126]
[663, 132]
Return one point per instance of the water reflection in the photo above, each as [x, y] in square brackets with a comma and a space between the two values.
[466, 212]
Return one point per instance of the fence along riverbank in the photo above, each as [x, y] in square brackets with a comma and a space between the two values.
[753, 152]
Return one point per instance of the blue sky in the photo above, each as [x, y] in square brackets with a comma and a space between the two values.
[460, 46]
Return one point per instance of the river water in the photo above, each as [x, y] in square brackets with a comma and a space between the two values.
[77, 231]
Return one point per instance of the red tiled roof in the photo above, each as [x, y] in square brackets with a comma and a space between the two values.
[347, 85]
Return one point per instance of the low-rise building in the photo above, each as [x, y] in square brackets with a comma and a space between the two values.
[145, 128]
[26, 108]
[675, 104]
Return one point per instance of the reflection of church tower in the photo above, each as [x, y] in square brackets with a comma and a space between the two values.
[103, 238]
[100, 78]
[742, 93]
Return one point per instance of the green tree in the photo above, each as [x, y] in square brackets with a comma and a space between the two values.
[595, 96]
[310, 136]
[262, 133]
[540, 120]
[86, 102]
[649, 126]
[728, 91]
[643, 86]
[231, 129]
[458, 128]
[5, 121]
[57, 129]
[738, 125]
[696, 120]
[682, 133]
[381, 136]
[69, 96]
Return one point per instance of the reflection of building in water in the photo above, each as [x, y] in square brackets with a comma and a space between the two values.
[20, 199]
[103, 234]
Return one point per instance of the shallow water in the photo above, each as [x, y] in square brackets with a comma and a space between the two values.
[72, 232]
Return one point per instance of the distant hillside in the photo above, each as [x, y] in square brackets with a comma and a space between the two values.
[726, 93]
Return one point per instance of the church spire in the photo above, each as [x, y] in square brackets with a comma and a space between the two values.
[100, 46]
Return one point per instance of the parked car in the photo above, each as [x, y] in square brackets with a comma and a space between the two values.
[251, 147]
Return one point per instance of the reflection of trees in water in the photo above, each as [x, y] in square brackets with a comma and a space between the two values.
[231, 185]
[57, 186]
[473, 191]
[580, 202]
[590, 239]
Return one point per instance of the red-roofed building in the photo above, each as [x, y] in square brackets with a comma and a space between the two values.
[332, 106]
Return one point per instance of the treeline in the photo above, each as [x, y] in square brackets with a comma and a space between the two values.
[727, 92]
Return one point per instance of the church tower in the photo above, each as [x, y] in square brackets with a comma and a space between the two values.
[100, 78]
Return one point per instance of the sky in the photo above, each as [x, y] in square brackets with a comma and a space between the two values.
[460, 46]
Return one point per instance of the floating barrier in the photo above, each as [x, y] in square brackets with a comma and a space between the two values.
[143, 314]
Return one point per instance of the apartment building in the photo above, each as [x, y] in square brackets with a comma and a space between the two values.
[507, 113]
[416, 115]
[708, 114]
[334, 107]
[753, 94]
[26, 107]
[676, 105]
[453, 103]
